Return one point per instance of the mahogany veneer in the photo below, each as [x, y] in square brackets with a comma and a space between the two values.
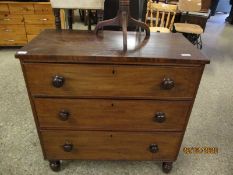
[92, 101]
[110, 145]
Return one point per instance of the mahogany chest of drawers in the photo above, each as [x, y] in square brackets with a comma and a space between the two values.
[92, 101]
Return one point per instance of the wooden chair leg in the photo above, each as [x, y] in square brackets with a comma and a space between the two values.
[85, 17]
[89, 20]
[81, 14]
[57, 18]
[100, 15]
[70, 19]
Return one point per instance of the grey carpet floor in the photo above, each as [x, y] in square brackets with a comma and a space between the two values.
[211, 122]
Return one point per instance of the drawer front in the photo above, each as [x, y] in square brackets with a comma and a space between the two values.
[21, 8]
[11, 19]
[13, 40]
[109, 80]
[43, 9]
[39, 19]
[36, 29]
[4, 9]
[12, 29]
[99, 145]
[124, 115]
[14, 36]
[31, 37]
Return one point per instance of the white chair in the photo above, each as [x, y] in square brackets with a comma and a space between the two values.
[75, 4]
[191, 31]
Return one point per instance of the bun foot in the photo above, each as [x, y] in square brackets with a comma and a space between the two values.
[167, 167]
[55, 165]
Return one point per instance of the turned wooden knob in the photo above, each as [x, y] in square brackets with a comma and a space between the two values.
[58, 81]
[64, 115]
[68, 147]
[167, 84]
[154, 148]
[160, 117]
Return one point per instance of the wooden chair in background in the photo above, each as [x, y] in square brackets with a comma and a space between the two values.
[161, 16]
[191, 31]
[57, 5]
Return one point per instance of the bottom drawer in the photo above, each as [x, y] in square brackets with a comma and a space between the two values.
[13, 40]
[99, 145]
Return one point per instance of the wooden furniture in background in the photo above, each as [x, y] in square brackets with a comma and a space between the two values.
[20, 22]
[206, 4]
[92, 101]
[197, 18]
[200, 18]
[192, 31]
[76, 4]
[161, 16]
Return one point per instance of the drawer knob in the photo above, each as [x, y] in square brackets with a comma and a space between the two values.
[154, 148]
[167, 84]
[64, 115]
[160, 117]
[58, 81]
[68, 147]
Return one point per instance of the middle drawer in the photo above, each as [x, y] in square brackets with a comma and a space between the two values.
[12, 29]
[123, 115]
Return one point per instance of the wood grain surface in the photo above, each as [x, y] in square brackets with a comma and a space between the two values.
[109, 81]
[83, 46]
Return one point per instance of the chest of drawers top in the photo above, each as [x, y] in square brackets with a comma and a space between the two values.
[86, 47]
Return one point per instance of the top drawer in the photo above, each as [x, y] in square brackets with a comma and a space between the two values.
[112, 80]
[43, 9]
[21, 8]
[4, 9]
